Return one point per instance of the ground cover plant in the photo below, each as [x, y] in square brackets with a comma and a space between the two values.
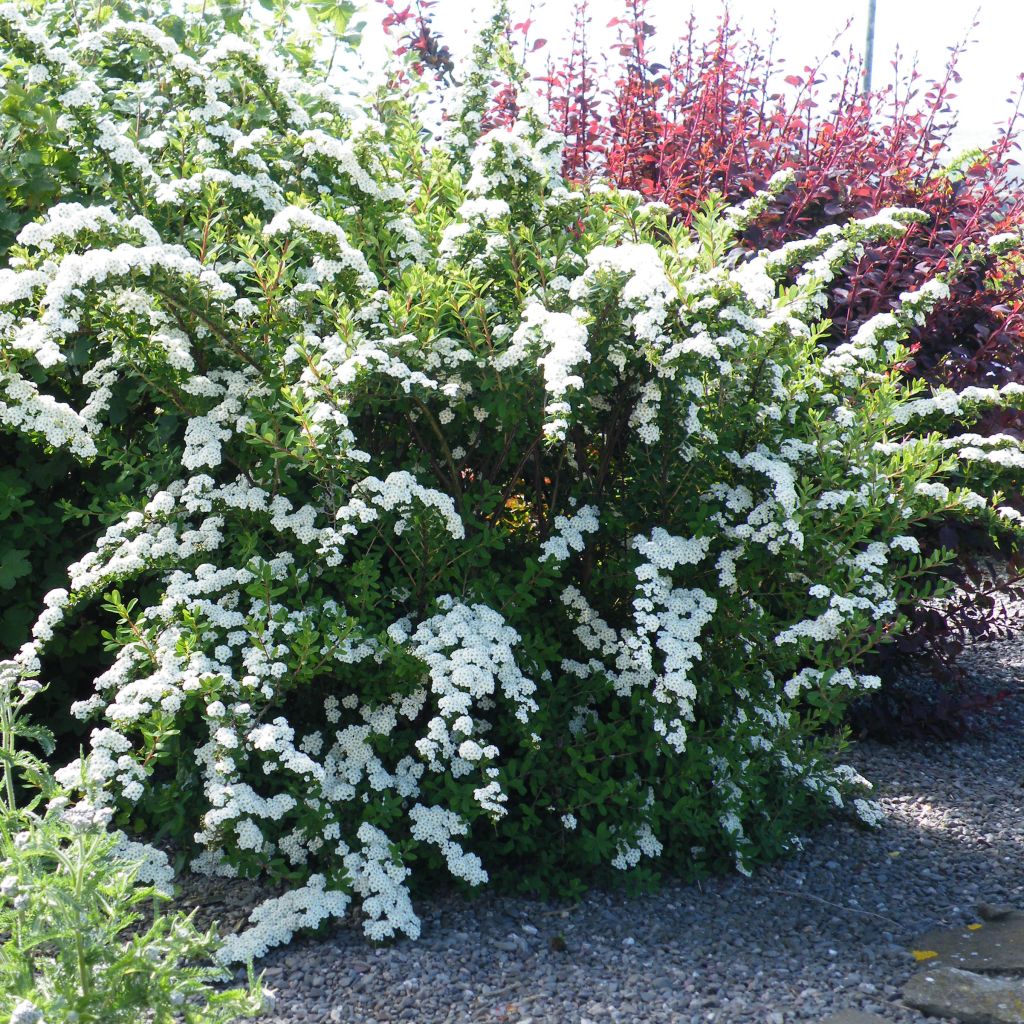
[82, 937]
[468, 521]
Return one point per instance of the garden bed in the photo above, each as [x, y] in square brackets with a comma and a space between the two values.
[829, 928]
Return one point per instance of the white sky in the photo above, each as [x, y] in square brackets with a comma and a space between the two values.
[806, 29]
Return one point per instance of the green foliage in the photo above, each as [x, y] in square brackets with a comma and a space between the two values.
[50, 511]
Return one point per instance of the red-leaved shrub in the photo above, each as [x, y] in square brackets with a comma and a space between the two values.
[719, 115]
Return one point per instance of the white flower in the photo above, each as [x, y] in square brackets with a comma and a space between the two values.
[275, 920]
[569, 533]
[83, 816]
[869, 811]
[906, 544]
[25, 1012]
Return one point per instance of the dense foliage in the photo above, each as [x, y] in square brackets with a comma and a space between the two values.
[723, 114]
[51, 512]
[467, 520]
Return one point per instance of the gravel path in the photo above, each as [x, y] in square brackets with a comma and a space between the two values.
[827, 930]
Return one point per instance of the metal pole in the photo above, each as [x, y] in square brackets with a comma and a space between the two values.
[869, 48]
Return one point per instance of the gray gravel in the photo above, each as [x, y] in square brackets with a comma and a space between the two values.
[826, 930]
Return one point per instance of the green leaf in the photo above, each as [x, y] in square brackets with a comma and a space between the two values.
[14, 565]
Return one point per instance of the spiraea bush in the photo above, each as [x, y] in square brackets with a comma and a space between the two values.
[717, 109]
[481, 525]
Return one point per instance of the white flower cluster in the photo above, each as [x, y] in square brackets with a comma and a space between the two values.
[562, 341]
[468, 653]
[398, 492]
[667, 624]
[569, 533]
[75, 272]
[878, 336]
[628, 855]
[24, 408]
[675, 618]
[260, 185]
[809, 678]
[949, 403]
[742, 215]
[644, 289]
[67, 222]
[508, 157]
[293, 219]
[344, 157]
[437, 825]
[150, 864]
[276, 920]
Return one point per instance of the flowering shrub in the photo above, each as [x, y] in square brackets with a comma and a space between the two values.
[480, 524]
[72, 944]
[721, 114]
